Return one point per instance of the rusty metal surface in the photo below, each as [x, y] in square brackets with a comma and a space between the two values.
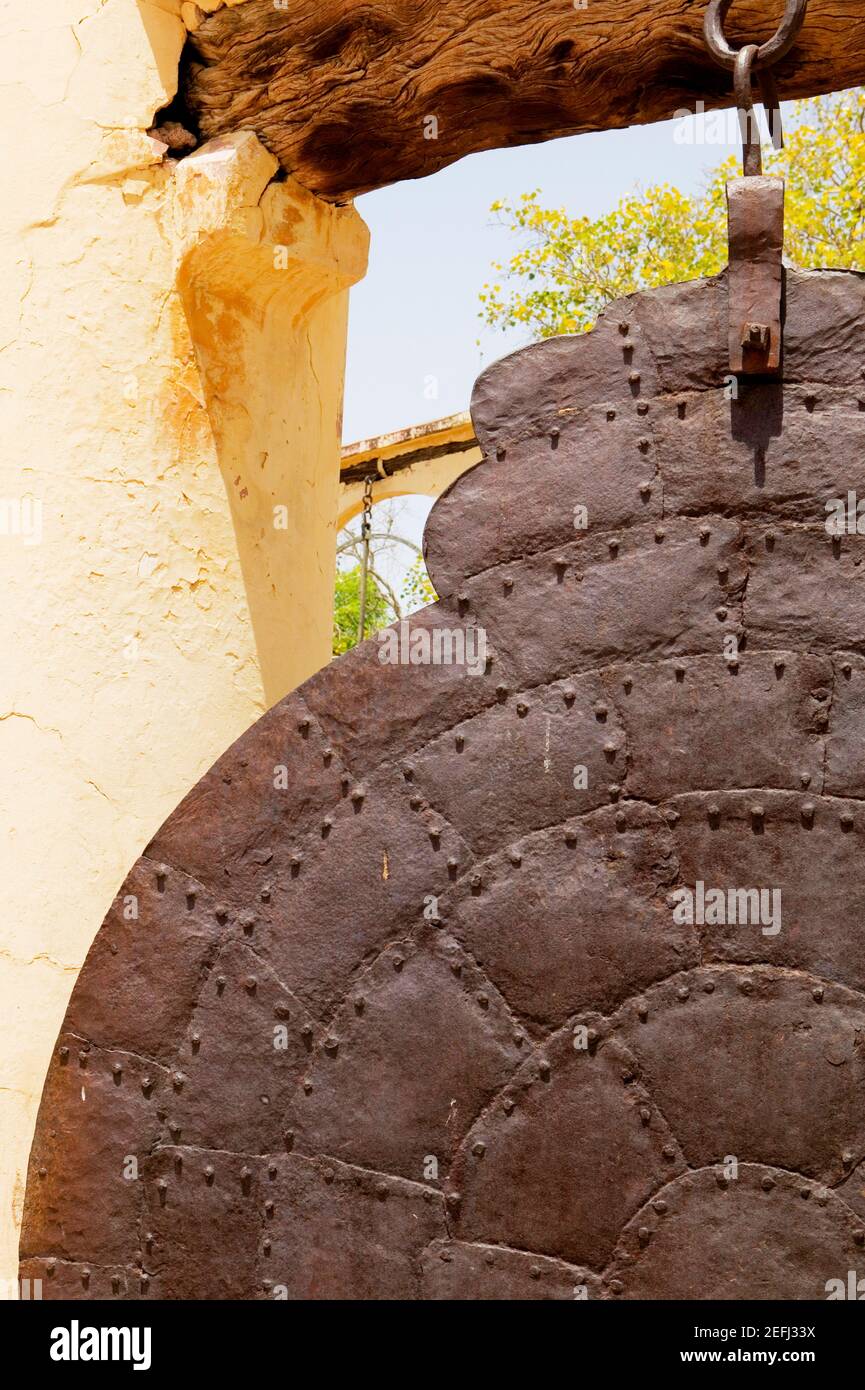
[324, 1044]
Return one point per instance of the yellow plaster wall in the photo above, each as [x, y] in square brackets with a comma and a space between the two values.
[129, 661]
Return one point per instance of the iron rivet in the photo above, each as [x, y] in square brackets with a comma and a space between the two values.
[817, 994]
[767, 1183]
[479, 1149]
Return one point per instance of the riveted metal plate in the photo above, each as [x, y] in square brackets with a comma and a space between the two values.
[396, 1003]
[679, 1245]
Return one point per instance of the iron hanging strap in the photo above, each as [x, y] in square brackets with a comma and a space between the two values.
[365, 534]
[755, 203]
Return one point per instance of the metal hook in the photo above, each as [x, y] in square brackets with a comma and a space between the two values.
[752, 157]
[747, 61]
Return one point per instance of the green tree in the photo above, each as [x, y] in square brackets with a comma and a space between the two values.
[567, 268]
[346, 609]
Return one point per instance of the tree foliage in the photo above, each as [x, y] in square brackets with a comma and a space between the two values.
[346, 609]
[568, 267]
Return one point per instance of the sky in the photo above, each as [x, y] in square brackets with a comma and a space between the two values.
[413, 351]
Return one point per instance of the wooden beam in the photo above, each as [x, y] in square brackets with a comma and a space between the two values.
[349, 94]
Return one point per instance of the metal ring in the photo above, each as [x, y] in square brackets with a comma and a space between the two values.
[770, 52]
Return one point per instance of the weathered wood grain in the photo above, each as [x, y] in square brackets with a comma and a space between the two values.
[339, 89]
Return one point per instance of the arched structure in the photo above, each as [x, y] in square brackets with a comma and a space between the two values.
[397, 1003]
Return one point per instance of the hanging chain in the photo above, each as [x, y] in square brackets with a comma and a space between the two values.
[754, 59]
[365, 534]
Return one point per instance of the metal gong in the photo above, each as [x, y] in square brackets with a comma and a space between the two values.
[398, 1003]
